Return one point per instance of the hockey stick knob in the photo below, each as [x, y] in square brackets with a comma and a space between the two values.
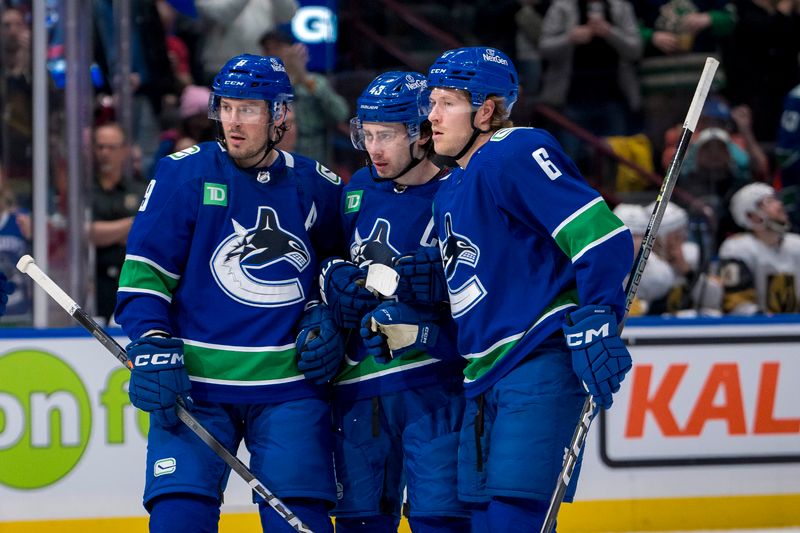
[24, 262]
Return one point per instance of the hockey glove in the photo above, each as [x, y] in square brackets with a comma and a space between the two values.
[158, 378]
[6, 288]
[422, 277]
[394, 329]
[320, 348]
[599, 358]
[342, 285]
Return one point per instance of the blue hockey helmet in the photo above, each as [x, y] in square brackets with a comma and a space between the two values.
[395, 97]
[252, 77]
[481, 71]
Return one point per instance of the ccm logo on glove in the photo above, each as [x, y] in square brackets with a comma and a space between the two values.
[584, 337]
[158, 359]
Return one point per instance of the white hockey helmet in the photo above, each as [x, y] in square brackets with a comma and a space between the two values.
[674, 219]
[634, 216]
[746, 201]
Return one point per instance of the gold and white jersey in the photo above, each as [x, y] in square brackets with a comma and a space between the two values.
[758, 277]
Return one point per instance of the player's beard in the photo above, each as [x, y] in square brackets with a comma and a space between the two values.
[247, 153]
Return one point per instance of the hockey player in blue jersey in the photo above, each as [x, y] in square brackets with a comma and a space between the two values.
[221, 266]
[6, 288]
[397, 406]
[534, 263]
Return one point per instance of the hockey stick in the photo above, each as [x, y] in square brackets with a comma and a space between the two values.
[689, 125]
[28, 266]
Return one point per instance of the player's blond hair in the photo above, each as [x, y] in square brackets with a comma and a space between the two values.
[500, 118]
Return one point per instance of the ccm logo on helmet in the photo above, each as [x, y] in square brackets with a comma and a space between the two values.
[585, 337]
[158, 359]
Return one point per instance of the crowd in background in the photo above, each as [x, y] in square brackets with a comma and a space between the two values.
[624, 71]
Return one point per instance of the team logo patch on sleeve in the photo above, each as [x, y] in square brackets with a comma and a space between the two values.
[328, 175]
[185, 152]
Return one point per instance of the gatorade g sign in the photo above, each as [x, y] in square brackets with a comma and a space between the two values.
[728, 399]
[315, 25]
[45, 419]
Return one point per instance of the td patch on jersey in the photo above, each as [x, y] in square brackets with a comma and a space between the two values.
[241, 264]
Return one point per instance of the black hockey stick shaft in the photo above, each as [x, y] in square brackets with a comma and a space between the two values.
[28, 266]
[635, 277]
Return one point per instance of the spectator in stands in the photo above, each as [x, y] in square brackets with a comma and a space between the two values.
[763, 64]
[177, 51]
[658, 277]
[16, 148]
[194, 126]
[15, 239]
[678, 36]
[760, 268]
[711, 174]
[317, 106]
[529, 20]
[115, 199]
[738, 122]
[693, 292]
[152, 76]
[236, 26]
[591, 48]
[787, 152]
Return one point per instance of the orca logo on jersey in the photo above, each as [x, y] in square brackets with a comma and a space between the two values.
[458, 249]
[249, 252]
[376, 247]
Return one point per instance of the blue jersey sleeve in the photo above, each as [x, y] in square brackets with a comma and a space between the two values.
[326, 232]
[538, 185]
[157, 250]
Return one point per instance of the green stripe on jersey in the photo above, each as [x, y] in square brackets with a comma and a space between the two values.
[137, 274]
[589, 224]
[370, 369]
[229, 364]
[480, 363]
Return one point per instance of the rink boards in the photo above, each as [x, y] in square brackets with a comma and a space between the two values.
[704, 434]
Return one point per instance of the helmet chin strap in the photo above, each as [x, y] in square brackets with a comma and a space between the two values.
[475, 132]
[414, 162]
[774, 225]
[778, 227]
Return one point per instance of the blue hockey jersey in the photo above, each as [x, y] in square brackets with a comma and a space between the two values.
[524, 239]
[226, 259]
[382, 222]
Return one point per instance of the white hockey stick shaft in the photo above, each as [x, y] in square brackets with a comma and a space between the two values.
[28, 266]
[585, 420]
